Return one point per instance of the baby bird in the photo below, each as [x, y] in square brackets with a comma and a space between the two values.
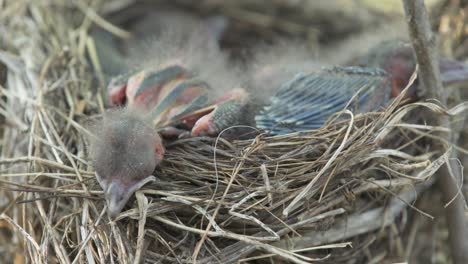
[189, 93]
[125, 154]
[397, 59]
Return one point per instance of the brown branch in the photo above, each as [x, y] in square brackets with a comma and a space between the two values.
[427, 57]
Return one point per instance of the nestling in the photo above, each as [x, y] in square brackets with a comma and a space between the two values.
[125, 153]
[187, 94]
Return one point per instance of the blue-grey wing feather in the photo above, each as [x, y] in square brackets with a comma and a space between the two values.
[308, 100]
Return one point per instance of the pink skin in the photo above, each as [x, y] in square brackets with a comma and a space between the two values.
[117, 92]
[206, 125]
[400, 65]
[398, 60]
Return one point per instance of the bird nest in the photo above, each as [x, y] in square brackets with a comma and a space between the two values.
[334, 194]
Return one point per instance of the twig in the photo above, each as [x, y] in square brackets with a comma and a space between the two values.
[283, 253]
[241, 249]
[25, 234]
[357, 224]
[426, 54]
[306, 190]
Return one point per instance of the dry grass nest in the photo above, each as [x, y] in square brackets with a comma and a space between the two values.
[331, 194]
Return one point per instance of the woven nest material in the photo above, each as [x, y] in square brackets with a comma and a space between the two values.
[329, 194]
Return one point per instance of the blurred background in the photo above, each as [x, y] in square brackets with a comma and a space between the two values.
[335, 30]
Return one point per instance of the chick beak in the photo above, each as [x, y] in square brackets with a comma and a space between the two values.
[116, 197]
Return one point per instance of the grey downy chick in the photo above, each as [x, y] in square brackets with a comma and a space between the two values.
[124, 153]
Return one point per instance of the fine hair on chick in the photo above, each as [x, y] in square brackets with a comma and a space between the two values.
[192, 44]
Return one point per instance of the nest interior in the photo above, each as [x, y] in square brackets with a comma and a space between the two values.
[342, 193]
